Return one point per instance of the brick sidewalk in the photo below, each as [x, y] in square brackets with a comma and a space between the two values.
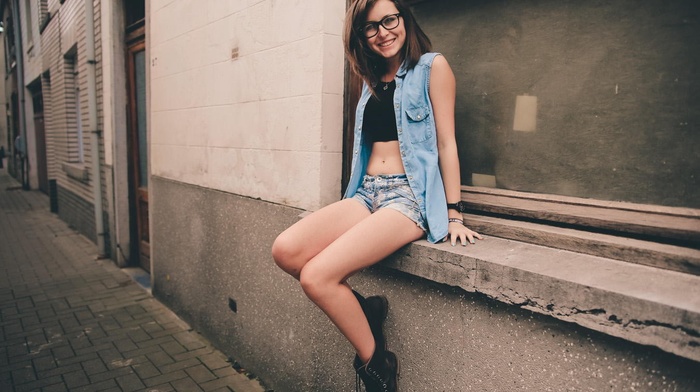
[69, 322]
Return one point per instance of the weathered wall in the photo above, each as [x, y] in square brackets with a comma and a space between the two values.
[217, 248]
[616, 83]
[65, 35]
[246, 96]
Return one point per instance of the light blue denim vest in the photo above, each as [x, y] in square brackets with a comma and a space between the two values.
[415, 126]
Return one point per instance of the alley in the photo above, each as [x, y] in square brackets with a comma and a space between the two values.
[69, 322]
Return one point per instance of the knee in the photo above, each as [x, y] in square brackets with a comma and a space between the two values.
[285, 253]
[311, 282]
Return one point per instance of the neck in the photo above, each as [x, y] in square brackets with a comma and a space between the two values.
[392, 67]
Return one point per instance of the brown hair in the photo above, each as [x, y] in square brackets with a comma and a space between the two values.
[363, 61]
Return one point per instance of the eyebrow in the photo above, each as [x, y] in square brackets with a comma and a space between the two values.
[380, 19]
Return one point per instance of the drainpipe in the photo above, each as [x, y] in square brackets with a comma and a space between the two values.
[20, 94]
[94, 132]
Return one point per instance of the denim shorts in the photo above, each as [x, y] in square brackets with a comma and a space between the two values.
[390, 191]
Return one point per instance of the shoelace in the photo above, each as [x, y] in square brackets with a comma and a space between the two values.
[376, 376]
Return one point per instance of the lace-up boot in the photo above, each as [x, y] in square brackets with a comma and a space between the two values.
[375, 309]
[380, 374]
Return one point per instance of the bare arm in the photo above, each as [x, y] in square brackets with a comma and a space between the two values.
[442, 96]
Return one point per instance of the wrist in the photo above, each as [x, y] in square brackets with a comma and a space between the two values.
[456, 220]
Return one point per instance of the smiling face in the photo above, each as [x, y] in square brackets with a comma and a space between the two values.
[387, 43]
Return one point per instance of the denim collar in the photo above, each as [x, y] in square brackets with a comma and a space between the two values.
[402, 69]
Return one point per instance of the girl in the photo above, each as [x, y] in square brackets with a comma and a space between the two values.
[404, 184]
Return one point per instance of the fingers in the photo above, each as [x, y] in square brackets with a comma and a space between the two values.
[463, 236]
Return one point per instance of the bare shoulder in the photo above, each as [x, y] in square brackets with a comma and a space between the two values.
[441, 72]
[440, 65]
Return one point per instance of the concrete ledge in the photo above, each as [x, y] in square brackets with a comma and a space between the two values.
[638, 303]
[76, 171]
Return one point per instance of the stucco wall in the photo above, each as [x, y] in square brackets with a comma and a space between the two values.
[214, 247]
[246, 97]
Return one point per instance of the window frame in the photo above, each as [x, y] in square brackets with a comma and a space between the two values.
[75, 140]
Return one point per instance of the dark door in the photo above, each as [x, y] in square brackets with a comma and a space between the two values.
[42, 169]
[138, 153]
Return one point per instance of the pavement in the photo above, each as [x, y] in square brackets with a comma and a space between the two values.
[70, 322]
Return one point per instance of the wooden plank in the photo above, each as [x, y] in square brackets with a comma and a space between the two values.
[668, 222]
[670, 257]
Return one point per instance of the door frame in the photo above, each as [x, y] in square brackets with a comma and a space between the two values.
[139, 225]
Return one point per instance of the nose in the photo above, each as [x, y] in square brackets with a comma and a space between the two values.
[382, 31]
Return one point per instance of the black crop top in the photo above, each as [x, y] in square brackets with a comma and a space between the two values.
[379, 123]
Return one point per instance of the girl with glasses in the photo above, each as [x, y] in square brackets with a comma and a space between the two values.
[404, 184]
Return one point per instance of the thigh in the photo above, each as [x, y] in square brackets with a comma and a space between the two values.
[364, 244]
[308, 237]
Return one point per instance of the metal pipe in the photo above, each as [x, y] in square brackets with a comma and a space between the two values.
[92, 124]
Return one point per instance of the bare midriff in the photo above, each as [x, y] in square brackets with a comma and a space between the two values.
[385, 159]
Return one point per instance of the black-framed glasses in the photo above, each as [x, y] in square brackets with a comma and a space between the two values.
[389, 22]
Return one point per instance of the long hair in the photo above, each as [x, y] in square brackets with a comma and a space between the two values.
[363, 61]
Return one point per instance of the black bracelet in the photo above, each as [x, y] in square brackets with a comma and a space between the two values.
[456, 220]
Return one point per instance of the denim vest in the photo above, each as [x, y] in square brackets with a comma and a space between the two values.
[415, 126]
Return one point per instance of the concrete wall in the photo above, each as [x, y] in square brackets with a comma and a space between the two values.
[246, 95]
[213, 247]
[616, 85]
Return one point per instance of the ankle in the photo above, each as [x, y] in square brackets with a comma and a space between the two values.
[366, 356]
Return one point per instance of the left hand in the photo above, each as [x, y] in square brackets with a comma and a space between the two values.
[457, 230]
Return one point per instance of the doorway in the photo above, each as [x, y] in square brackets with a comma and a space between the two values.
[137, 132]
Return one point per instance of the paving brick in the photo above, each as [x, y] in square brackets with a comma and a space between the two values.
[173, 348]
[62, 352]
[76, 379]
[146, 370]
[186, 385]
[110, 374]
[71, 323]
[165, 378]
[227, 371]
[100, 386]
[94, 366]
[130, 383]
[60, 387]
[200, 373]
[23, 375]
[44, 363]
[190, 340]
[214, 361]
[194, 354]
[36, 385]
[124, 345]
[167, 387]
[188, 363]
[60, 369]
[160, 358]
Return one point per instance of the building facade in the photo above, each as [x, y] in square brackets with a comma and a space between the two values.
[199, 130]
[76, 115]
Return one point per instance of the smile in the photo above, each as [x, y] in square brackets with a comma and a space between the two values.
[387, 43]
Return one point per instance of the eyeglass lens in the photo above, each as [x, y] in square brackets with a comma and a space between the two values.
[389, 22]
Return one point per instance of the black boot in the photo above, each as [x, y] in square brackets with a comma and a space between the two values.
[375, 309]
[380, 374]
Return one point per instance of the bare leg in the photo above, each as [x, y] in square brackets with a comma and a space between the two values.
[305, 239]
[364, 244]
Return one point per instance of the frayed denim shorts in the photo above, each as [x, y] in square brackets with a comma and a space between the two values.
[390, 191]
